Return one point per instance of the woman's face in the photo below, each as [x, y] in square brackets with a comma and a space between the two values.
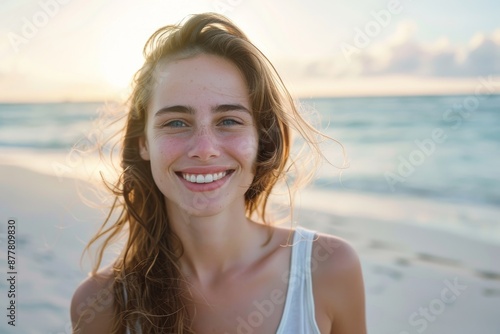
[200, 137]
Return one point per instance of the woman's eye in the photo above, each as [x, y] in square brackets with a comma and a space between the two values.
[229, 122]
[175, 124]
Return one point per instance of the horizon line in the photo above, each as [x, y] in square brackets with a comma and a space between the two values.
[300, 97]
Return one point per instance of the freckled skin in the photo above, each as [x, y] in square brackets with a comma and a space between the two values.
[201, 83]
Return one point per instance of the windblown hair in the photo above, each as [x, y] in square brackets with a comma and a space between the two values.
[149, 288]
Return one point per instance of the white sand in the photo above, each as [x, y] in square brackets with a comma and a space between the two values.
[52, 228]
[407, 268]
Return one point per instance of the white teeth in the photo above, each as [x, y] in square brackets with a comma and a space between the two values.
[203, 178]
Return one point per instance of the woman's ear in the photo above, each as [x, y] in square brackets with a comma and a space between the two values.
[143, 148]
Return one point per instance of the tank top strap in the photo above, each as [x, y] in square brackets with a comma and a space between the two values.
[298, 313]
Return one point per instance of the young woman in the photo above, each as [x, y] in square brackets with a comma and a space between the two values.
[207, 138]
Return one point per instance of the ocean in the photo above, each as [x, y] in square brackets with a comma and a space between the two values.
[429, 161]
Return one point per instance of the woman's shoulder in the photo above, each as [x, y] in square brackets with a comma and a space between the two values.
[338, 282]
[92, 303]
[337, 255]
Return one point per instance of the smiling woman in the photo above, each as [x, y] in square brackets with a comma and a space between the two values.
[208, 137]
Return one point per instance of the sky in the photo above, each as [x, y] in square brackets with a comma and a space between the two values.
[88, 50]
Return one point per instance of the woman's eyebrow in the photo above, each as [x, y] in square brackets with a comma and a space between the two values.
[230, 107]
[176, 108]
[189, 110]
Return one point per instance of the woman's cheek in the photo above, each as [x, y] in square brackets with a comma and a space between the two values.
[169, 148]
[246, 147]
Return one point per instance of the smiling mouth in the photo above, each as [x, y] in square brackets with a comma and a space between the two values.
[205, 178]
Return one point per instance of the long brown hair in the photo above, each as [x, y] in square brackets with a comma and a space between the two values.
[148, 287]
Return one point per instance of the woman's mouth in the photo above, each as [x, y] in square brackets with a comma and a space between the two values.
[205, 178]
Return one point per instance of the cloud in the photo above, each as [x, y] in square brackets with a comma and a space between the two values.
[402, 54]
[405, 58]
[441, 59]
[483, 58]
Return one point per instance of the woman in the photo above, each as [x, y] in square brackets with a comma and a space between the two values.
[206, 140]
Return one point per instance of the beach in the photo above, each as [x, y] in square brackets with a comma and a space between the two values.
[417, 279]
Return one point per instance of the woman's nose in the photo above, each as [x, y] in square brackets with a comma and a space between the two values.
[204, 145]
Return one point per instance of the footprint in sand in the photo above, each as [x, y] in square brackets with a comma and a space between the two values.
[490, 292]
[389, 272]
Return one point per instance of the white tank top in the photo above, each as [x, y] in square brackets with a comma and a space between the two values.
[298, 313]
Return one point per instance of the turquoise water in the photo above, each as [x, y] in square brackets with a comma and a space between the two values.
[392, 149]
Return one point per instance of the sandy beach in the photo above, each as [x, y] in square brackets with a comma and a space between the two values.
[417, 279]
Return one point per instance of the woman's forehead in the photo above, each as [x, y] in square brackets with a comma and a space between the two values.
[202, 79]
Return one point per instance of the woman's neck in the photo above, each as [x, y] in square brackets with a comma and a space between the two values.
[217, 245]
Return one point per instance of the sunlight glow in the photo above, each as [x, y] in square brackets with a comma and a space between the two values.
[118, 65]
[121, 56]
